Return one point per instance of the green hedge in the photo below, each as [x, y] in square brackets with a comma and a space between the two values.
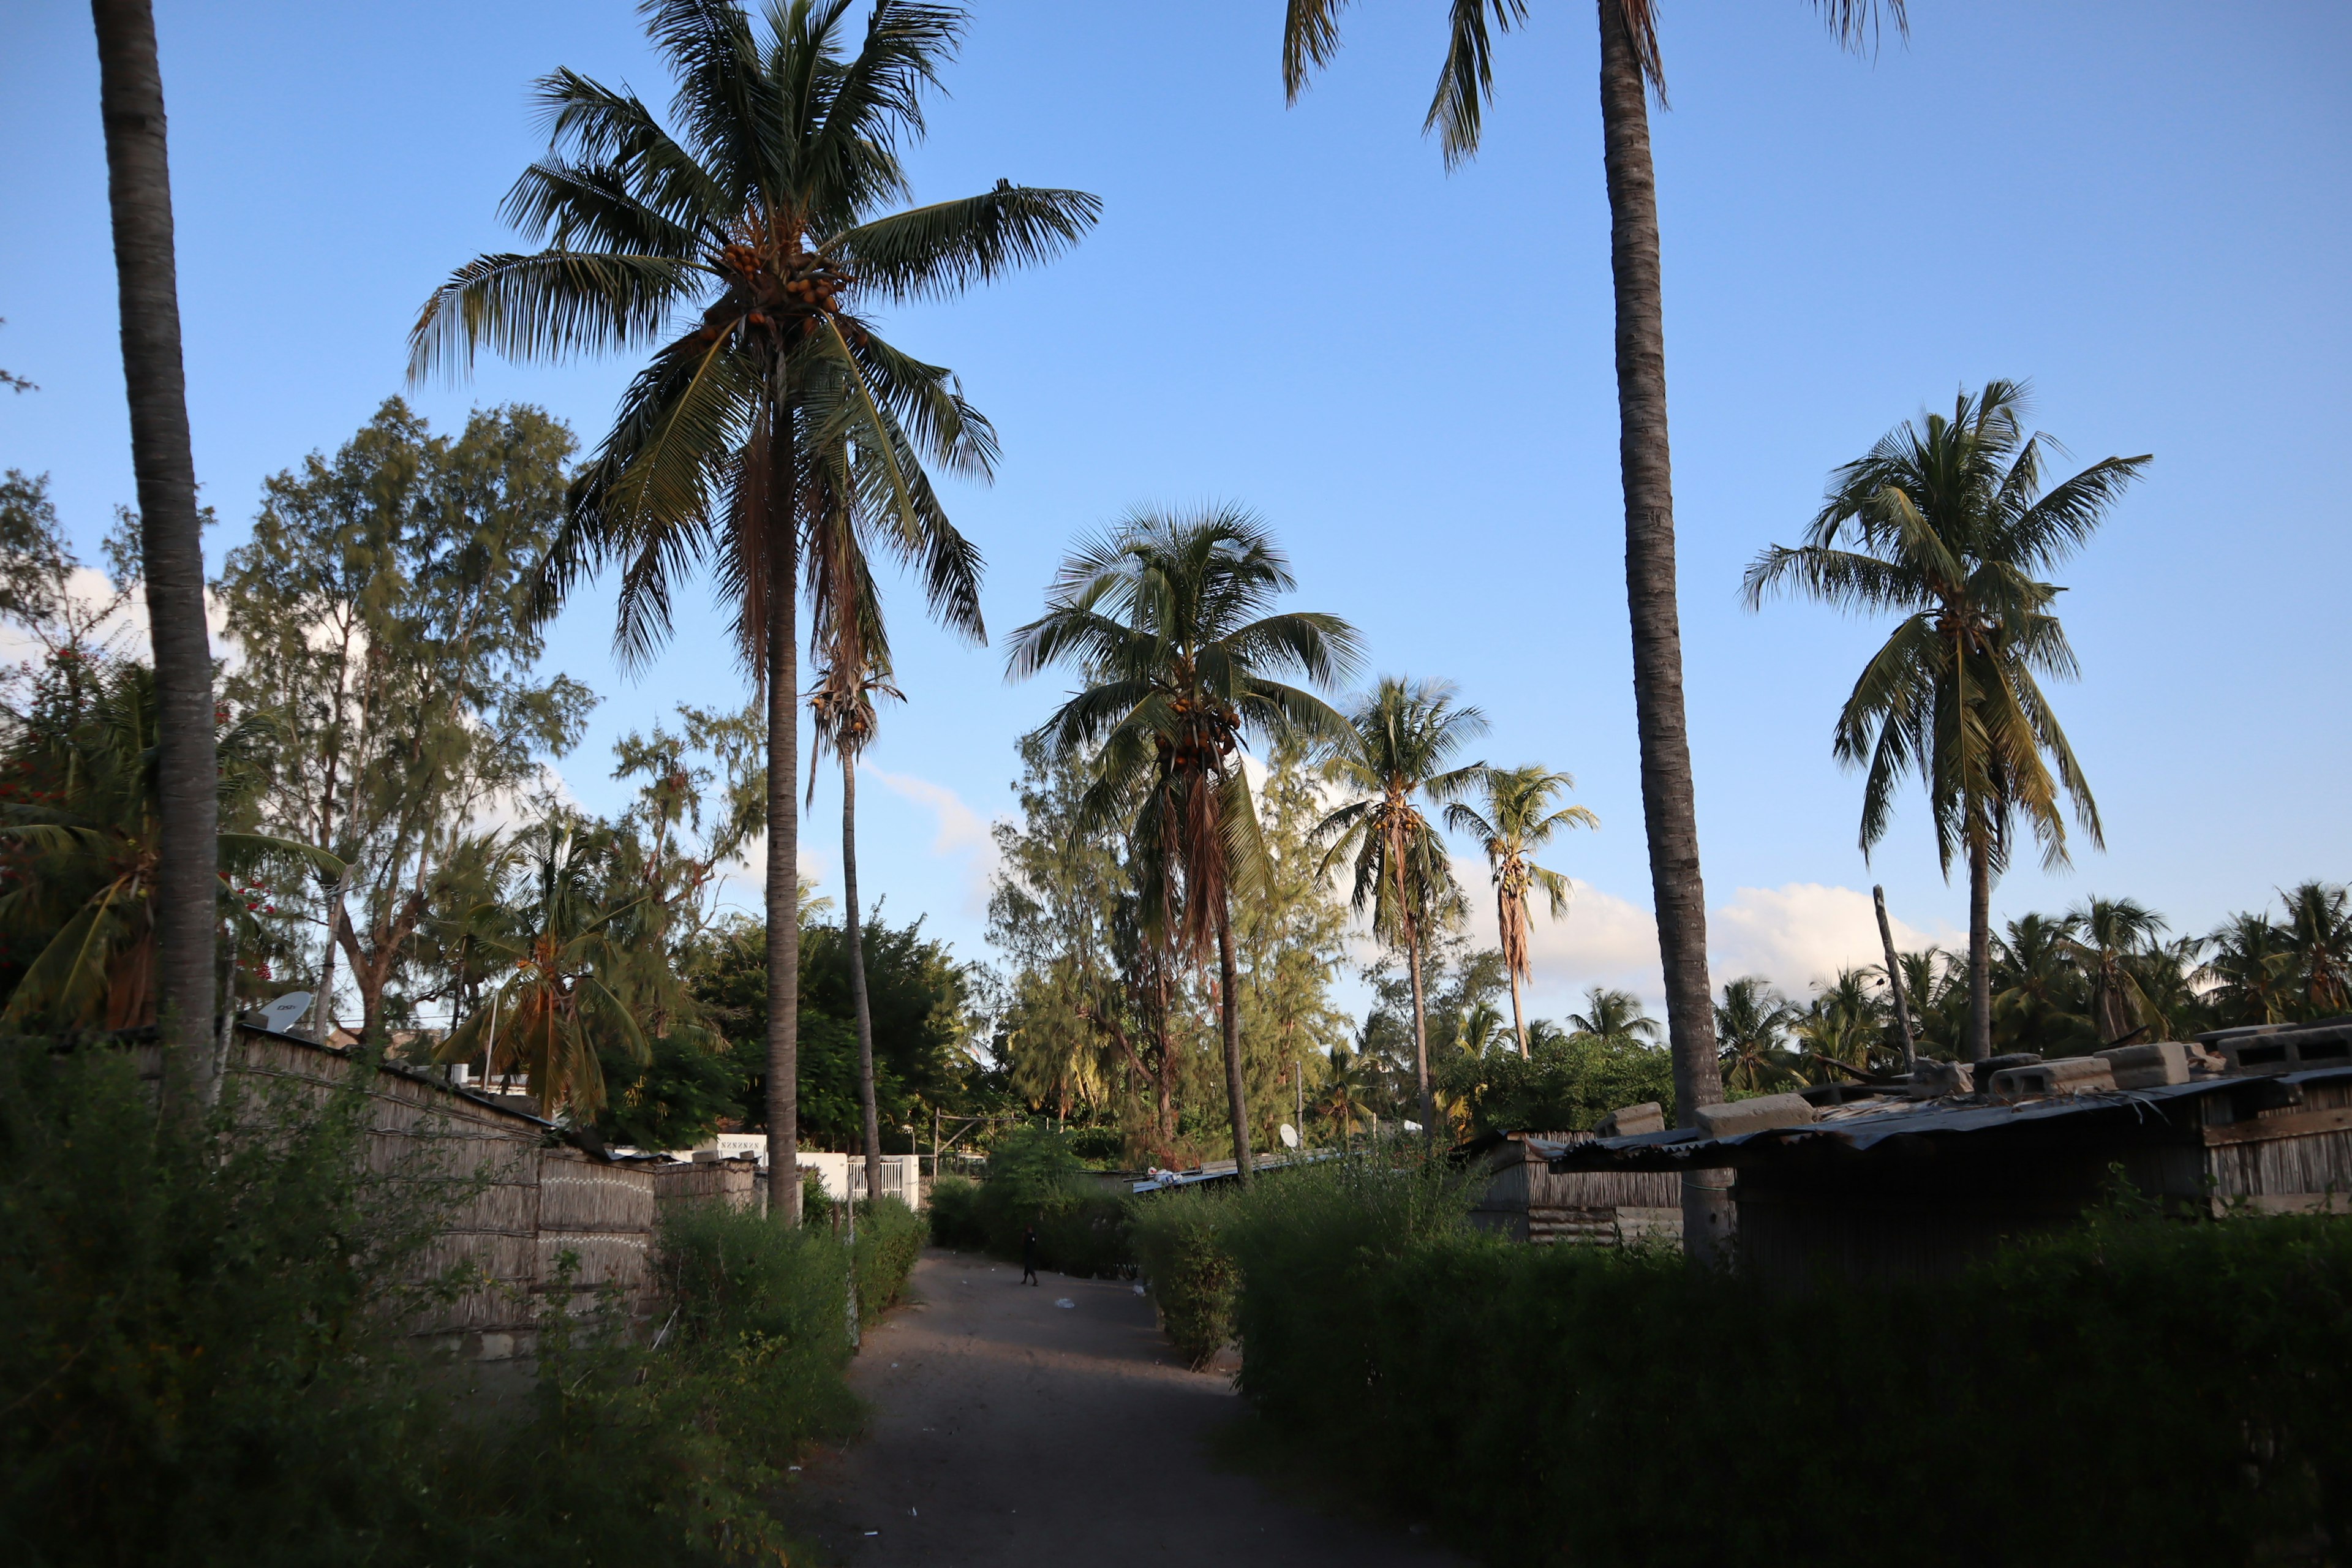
[2138, 1391]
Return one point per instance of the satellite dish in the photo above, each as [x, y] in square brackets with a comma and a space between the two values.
[1412, 1126]
[287, 1011]
[1290, 1135]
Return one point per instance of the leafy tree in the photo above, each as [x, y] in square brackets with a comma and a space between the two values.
[42, 593]
[379, 614]
[1567, 1082]
[759, 224]
[1292, 938]
[1519, 819]
[1751, 1030]
[1170, 618]
[1394, 757]
[187, 795]
[1947, 525]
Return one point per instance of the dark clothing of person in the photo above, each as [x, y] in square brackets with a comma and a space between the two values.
[1029, 1255]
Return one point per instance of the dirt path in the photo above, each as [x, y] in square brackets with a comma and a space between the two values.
[1008, 1429]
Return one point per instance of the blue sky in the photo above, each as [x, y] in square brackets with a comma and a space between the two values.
[2143, 208]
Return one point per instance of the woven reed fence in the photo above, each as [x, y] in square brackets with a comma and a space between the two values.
[538, 1221]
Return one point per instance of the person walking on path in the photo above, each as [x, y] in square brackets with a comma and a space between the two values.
[1029, 1254]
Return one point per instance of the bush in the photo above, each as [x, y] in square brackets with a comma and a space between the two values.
[1036, 1178]
[2136, 1390]
[205, 1359]
[1179, 1248]
[889, 1239]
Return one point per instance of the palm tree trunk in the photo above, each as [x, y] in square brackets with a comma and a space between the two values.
[1979, 951]
[1420, 1035]
[1519, 1022]
[853, 932]
[1669, 804]
[1895, 983]
[1229, 1015]
[784, 887]
[139, 192]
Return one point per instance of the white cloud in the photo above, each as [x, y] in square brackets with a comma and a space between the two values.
[962, 833]
[1794, 935]
[1802, 933]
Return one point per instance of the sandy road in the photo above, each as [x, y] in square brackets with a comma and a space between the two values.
[1010, 1430]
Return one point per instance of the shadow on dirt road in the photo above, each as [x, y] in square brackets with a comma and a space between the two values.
[1010, 1430]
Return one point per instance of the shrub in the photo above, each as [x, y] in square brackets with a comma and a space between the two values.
[2136, 1390]
[955, 1214]
[1036, 1178]
[205, 1359]
[1179, 1248]
[889, 1239]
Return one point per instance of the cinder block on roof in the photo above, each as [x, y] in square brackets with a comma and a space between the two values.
[2146, 1067]
[1735, 1117]
[1633, 1120]
[2290, 1050]
[1934, 1080]
[2067, 1075]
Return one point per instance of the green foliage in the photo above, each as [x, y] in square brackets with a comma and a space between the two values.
[890, 1239]
[205, 1359]
[1179, 1249]
[2147, 1392]
[1035, 1177]
[1565, 1083]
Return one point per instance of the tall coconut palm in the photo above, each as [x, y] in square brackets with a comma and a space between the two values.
[843, 708]
[1630, 68]
[846, 503]
[1519, 819]
[1946, 523]
[1170, 618]
[147, 289]
[742, 250]
[1395, 757]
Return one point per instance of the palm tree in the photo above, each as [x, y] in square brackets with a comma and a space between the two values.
[82, 804]
[1519, 820]
[1751, 1027]
[1614, 1019]
[740, 250]
[1629, 67]
[565, 989]
[1846, 1023]
[1170, 618]
[2319, 932]
[2109, 936]
[186, 873]
[2039, 999]
[843, 708]
[1948, 525]
[2252, 972]
[1348, 1091]
[1395, 755]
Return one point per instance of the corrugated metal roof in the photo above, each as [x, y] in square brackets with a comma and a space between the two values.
[1864, 1126]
